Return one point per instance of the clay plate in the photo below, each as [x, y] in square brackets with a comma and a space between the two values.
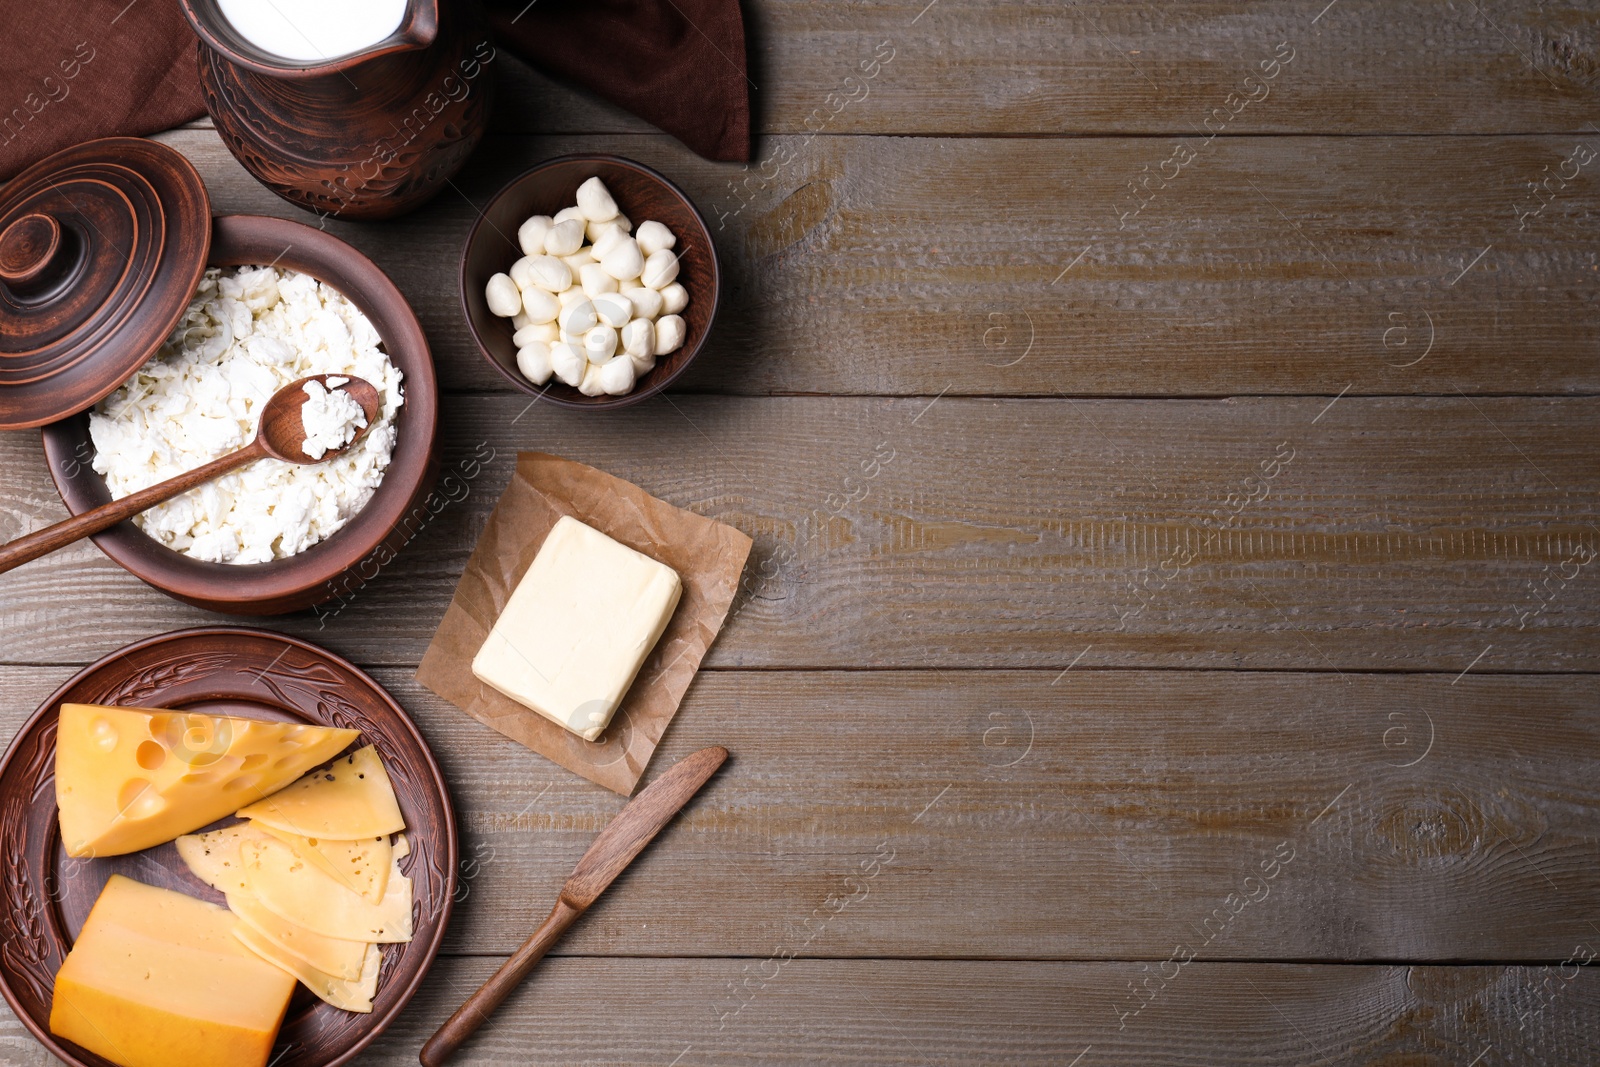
[46, 895]
[642, 194]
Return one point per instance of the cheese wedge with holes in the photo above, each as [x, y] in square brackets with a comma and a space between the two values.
[157, 978]
[130, 778]
[350, 799]
[578, 627]
[303, 895]
[347, 994]
[362, 865]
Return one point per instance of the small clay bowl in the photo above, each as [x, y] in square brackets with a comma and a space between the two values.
[334, 568]
[642, 194]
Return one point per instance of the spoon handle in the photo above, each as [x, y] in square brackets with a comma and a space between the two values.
[62, 534]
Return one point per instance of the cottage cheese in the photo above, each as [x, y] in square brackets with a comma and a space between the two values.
[249, 332]
[330, 419]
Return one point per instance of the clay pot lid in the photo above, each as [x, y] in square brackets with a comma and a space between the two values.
[101, 248]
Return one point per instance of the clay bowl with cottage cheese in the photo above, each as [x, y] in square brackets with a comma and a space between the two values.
[640, 194]
[337, 567]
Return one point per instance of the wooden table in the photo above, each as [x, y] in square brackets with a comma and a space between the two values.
[1174, 620]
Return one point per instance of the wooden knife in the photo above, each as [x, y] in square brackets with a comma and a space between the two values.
[634, 827]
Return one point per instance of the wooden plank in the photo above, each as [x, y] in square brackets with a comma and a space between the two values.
[1019, 267]
[1042, 68]
[1354, 533]
[1008, 814]
[1359, 66]
[667, 1013]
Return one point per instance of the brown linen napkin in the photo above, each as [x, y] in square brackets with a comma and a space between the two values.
[80, 69]
[677, 64]
[709, 557]
[75, 70]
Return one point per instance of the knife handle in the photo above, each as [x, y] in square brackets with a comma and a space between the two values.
[476, 1011]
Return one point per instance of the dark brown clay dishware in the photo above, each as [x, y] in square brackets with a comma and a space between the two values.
[219, 670]
[339, 566]
[624, 837]
[281, 435]
[642, 194]
[369, 135]
[101, 246]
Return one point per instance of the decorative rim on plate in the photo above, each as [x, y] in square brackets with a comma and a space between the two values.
[240, 669]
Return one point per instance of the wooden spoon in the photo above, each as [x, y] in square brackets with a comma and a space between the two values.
[634, 827]
[281, 435]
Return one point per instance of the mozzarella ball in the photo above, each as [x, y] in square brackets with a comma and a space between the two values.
[564, 238]
[613, 309]
[624, 261]
[597, 230]
[548, 273]
[653, 237]
[639, 339]
[544, 331]
[503, 296]
[595, 280]
[617, 376]
[590, 385]
[571, 296]
[534, 362]
[576, 261]
[670, 332]
[569, 213]
[644, 364]
[594, 200]
[531, 234]
[600, 344]
[568, 363]
[578, 317]
[674, 298]
[520, 272]
[646, 302]
[520, 319]
[660, 269]
[540, 305]
[608, 240]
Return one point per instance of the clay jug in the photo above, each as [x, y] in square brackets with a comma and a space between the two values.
[368, 135]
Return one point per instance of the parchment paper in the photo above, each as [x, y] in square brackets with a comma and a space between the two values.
[708, 555]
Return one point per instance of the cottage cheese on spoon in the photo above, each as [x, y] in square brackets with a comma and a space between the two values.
[249, 332]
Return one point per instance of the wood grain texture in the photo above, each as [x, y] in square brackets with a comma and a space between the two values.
[1048, 68]
[1106, 815]
[1401, 534]
[624, 1013]
[904, 266]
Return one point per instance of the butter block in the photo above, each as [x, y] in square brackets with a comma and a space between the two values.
[157, 978]
[578, 627]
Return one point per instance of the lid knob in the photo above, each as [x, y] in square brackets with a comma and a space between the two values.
[34, 251]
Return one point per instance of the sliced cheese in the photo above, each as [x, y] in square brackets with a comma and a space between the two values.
[130, 778]
[361, 865]
[335, 956]
[302, 894]
[350, 995]
[348, 800]
[157, 978]
[214, 858]
[578, 627]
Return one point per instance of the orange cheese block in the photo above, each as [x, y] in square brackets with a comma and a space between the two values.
[130, 778]
[157, 978]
